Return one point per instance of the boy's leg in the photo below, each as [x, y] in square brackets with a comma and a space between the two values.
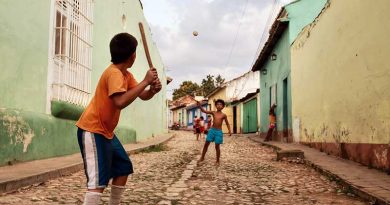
[205, 147]
[269, 134]
[218, 142]
[218, 152]
[92, 198]
[96, 153]
[121, 168]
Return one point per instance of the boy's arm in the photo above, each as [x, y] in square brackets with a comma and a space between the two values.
[228, 125]
[122, 100]
[155, 87]
[202, 109]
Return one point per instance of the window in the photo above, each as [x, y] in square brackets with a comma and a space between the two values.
[72, 51]
[273, 95]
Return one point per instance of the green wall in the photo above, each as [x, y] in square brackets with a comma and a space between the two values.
[277, 71]
[302, 13]
[26, 131]
[24, 38]
[26, 135]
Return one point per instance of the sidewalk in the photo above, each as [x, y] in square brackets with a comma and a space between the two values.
[369, 184]
[38, 171]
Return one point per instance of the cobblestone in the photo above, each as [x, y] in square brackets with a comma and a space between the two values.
[248, 174]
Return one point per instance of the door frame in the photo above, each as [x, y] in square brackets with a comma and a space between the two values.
[243, 113]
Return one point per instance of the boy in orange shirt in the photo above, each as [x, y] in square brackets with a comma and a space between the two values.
[103, 155]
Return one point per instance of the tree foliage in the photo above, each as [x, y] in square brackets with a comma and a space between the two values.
[186, 88]
[190, 88]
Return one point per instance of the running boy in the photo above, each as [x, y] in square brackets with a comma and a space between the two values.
[103, 155]
[215, 132]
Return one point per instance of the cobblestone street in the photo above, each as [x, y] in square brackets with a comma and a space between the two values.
[248, 174]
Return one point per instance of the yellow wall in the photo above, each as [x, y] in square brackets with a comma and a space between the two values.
[228, 110]
[239, 128]
[341, 75]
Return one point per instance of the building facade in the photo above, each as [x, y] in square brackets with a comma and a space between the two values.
[340, 81]
[243, 96]
[274, 64]
[53, 53]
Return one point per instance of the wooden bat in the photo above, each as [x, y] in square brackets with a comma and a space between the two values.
[146, 48]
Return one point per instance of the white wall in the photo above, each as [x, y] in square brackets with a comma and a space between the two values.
[241, 86]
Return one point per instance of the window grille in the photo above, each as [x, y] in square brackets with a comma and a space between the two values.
[72, 57]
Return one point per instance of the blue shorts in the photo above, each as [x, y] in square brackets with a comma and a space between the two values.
[215, 135]
[103, 158]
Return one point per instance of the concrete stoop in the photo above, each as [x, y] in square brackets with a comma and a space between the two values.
[281, 154]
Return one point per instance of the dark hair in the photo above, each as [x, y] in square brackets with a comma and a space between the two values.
[220, 101]
[272, 111]
[201, 117]
[122, 46]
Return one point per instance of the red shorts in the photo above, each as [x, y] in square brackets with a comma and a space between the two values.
[272, 126]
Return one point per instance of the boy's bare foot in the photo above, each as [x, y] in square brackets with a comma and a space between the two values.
[200, 161]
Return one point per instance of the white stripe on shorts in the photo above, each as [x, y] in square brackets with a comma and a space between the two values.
[91, 160]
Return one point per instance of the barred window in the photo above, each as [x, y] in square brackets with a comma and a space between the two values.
[72, 57]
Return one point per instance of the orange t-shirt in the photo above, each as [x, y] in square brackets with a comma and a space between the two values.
[102, 116]
[272, 119]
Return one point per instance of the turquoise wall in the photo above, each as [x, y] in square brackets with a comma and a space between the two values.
[24, 44]
[277, 71]
[26, 131]
[302, 13]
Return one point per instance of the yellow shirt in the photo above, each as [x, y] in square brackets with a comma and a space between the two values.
[101, 115]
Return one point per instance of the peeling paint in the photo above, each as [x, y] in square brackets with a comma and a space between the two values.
[381, 156]
[306, 31]
[18, 130]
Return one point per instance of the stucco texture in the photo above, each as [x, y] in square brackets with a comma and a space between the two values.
[340, 75]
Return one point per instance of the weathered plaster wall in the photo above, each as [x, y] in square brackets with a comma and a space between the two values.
[302, 13]
[24, 39]
[340, 79]
[26, 135]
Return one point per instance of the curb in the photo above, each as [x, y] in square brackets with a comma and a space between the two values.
[141, 149]
[350, 187]
[13, 185]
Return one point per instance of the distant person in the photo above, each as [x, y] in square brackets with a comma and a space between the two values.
[194, 123]
[201, 126]
[272, 123]
[209, 123]
[197, 128]
[215, 132]
[103, 155]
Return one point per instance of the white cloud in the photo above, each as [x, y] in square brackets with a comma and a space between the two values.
[192, 58]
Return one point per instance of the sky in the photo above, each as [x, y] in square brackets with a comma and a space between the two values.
[229, 35]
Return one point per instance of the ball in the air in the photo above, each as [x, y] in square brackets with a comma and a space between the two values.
[195, 33]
